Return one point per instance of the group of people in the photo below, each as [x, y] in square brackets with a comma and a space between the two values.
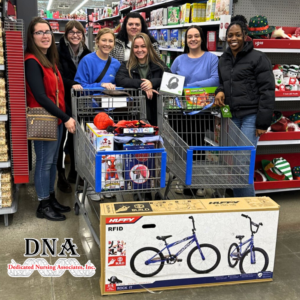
[131, 60]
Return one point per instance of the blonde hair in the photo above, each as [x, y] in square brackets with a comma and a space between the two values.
[151, 57]
[102, 32]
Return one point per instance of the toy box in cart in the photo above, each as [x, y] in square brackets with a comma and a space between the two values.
[186, 243]
[197, 98]
[139, 168]
[101, 139]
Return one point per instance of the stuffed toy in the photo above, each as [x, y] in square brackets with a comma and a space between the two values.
[103, 120]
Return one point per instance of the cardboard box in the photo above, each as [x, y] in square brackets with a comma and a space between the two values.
[211, 40]
[175, 38]
[101, 139]
[193, 18]
[183, 31]
[210, 10]
[172, 84]
[218, 12]
[173, 15]
[199, 97]
[139, 168]
[129, 244]
[155, 34]
[164, 38]
[185, 13]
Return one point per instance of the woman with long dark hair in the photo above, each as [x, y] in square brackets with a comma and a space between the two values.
[71, 50]
[247, 86]
[43, 80]
[133, 24]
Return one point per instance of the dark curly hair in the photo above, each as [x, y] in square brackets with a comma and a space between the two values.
[123, 36]
[240, 21]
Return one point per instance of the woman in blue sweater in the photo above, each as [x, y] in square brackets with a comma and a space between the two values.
[199, 66]
[200, 69]
[91, 66]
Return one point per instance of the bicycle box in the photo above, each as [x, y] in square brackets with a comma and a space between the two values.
[133, 228]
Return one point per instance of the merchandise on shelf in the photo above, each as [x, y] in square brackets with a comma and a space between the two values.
[211, 40]
[173, 15]
[6, 195]
[185, 13]
[210, 10]
[194, 13]
[164, 38]
[54, 26]
[221, 8]
[175, 38]
[183, 31]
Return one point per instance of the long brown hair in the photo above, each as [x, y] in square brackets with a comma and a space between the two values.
[49, 61]
[151, 57]
[70, 25]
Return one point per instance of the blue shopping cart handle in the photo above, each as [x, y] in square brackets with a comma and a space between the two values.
[195, 111]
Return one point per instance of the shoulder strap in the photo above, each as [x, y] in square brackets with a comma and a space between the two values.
[104, 70]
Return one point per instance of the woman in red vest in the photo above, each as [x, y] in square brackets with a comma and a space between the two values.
[42, 81]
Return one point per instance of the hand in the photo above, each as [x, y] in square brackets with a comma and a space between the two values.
[219, 99]
[77, 87]
[149, 93]
[146, 85]
[71, 125]
[259, 132]
[109, 86]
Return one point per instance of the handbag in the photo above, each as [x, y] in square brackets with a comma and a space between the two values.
[100, 77]
[41, 125]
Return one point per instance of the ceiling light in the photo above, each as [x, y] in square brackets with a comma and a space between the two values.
[49, 4]
[79, 6]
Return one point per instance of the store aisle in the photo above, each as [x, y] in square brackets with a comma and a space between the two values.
[286, 283]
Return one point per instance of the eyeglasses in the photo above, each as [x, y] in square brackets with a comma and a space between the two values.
[42, 33]
[79, 33]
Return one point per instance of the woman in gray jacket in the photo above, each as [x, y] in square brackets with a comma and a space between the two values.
[133, 24]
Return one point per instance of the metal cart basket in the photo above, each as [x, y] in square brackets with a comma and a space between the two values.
[113, 171]
[204, 149]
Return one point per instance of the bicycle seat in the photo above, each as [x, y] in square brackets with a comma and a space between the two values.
[163, 238]
[239, 237]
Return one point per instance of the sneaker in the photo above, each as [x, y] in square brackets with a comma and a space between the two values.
[201, 193]
[96, 197]
[109, 195]
[178, 190]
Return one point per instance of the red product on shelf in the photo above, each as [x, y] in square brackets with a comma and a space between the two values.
[279, 43]
[287, 93]
[211, 40]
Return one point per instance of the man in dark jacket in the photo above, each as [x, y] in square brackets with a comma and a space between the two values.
[247, 85]
[71, 50]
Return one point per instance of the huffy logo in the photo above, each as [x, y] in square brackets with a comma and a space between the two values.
[259, 275]
[258, 43]
[224, 202]
[34, 247]
[122, 220]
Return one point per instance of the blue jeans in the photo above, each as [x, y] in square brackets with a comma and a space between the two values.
[247, 126]
[45, 169]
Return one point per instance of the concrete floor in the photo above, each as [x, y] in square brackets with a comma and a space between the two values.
[286, 284]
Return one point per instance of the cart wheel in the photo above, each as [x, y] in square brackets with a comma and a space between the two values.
[76, 209]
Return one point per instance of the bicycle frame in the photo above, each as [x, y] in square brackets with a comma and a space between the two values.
[250, 246]
[192, 239]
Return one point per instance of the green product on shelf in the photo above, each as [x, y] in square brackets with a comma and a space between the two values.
[173, 15]
[49, 14]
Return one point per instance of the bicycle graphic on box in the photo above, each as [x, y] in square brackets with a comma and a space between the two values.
[258, 259]
[149, 261]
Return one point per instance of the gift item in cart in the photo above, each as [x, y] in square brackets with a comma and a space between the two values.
[101, 139]
[139, 168]
[112, 172]
[199, 97]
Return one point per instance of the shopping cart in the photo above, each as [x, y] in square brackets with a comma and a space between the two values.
[204, 149]
[114, 171]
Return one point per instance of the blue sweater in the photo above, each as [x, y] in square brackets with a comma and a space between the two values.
[198, 72]
[91, 66]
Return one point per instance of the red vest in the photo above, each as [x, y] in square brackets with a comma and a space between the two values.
[50, 87]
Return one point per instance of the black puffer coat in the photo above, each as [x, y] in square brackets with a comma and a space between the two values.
[67, 68]
[154, 75]
[248, 84]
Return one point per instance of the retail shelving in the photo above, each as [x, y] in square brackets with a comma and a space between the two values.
[58, 32]
[285, 99]
[277, 50]
[128, 8]
[10, 210]
[3, 117]
[2, 67]
[218, 53]
[65, 20]
[108, 19]
[211, 23]
[155, 5]
[4, 164]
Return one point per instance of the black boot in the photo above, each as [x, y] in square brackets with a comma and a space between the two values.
[46, 210]
[57, 206]
[62, 183]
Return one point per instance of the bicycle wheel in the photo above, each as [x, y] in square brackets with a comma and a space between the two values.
[260, 261]
[139, 258]
[233, 255]
[211, 259]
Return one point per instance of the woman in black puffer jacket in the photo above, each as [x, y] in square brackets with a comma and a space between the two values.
[71, 50]
[247, 86]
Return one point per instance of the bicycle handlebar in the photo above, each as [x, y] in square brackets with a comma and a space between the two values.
[245, 216]
[192, 218]
[252, 224]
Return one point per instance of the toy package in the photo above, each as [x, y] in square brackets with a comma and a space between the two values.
[185, 13]
[199, 97]
[173, 15]
[210, 10]
[175, 37]
[164, 38]
[155, 34]
[218, 10]
[101, 139]
[183, 31]
[112, 177]
[139, 168]
[159, 16]
[202, 12]
[194, 15]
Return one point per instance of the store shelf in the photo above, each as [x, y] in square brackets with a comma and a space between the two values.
[125, 9]
[108, 19]
[4, 164]
[5, 211]
[2, 67]
[276, 186]
[278, 143]
[66, 20]
[156, 5]
[61, 32]
[277, 50]
[287, 99]
[280, 138]
[181, 50]
[3, 117]
[211, 23]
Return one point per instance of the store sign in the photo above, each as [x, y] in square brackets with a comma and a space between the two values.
[49, 247]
